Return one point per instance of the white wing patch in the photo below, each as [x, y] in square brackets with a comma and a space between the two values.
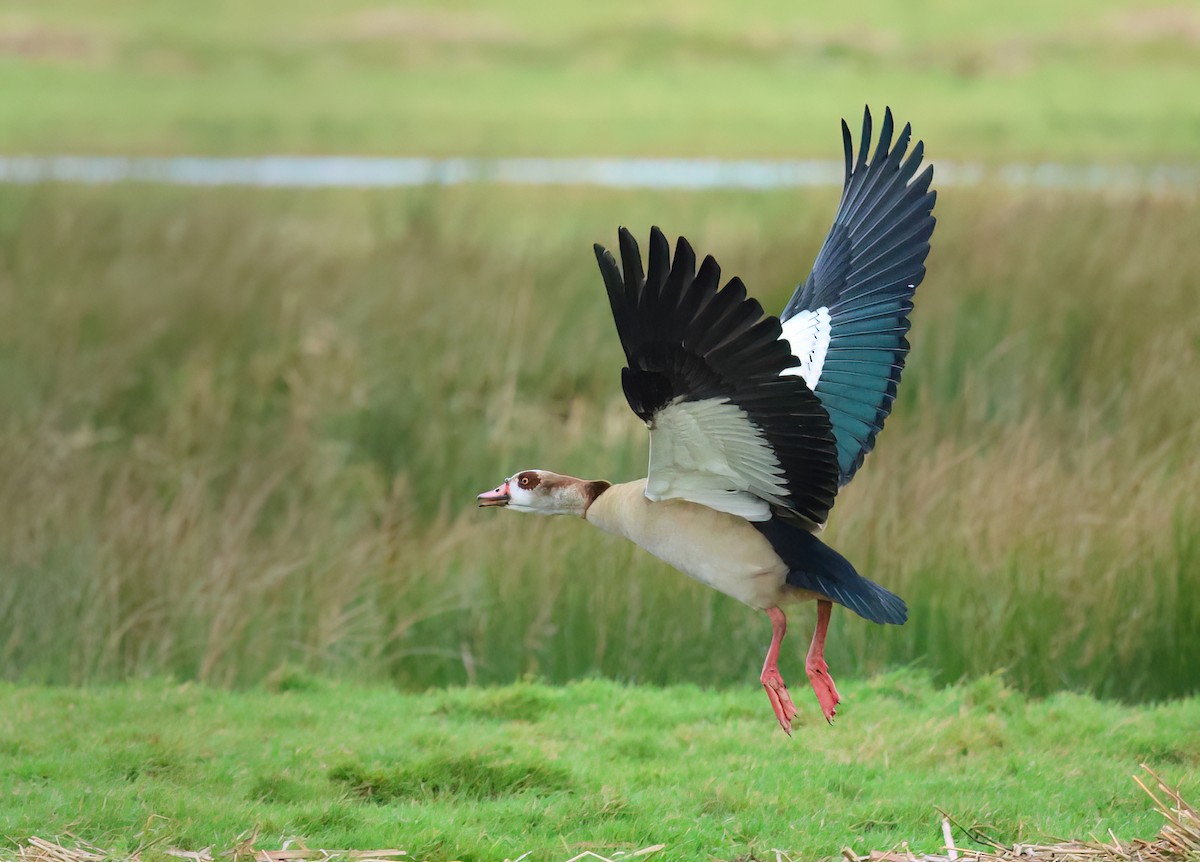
[709, 452]
[807, 333]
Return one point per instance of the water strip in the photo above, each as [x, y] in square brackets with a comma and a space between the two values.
[624, 173]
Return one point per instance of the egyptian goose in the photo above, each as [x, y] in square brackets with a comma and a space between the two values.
[756, 421]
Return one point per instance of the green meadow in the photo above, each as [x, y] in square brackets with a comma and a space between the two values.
[244, 587]
[1076, 80]
[553, 771]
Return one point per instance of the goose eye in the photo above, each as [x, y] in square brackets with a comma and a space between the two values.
[524, 482]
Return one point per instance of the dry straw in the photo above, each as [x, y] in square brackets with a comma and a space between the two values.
[1177, 841]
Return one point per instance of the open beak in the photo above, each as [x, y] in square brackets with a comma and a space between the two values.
[495, 497]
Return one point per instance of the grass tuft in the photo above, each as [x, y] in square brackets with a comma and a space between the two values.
[479, 775]
[520, 702]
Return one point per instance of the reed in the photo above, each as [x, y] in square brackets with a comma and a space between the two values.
[242, 433]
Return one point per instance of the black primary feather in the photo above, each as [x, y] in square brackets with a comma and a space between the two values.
[687, 340]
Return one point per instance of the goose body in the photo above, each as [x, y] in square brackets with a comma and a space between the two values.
[756, 421]
[716, 548]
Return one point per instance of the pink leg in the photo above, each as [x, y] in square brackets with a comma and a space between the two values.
[818, 671]
[777, 691]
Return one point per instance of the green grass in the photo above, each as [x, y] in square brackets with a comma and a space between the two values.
[1082, 80]
[243, 431]
[488, 774]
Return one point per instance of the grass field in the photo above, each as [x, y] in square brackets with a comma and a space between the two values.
[489, 774]
[1080, 80]
[244, 431]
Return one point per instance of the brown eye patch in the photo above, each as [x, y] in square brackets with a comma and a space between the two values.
[528, 480]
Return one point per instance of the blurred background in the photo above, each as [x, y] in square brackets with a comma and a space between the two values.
[241, 429]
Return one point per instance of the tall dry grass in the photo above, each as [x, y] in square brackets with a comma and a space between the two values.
[242, 433]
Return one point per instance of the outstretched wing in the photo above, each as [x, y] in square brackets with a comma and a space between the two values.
[727, 429]
[847, 323]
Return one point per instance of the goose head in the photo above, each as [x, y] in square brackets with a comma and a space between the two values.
[543, 493]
